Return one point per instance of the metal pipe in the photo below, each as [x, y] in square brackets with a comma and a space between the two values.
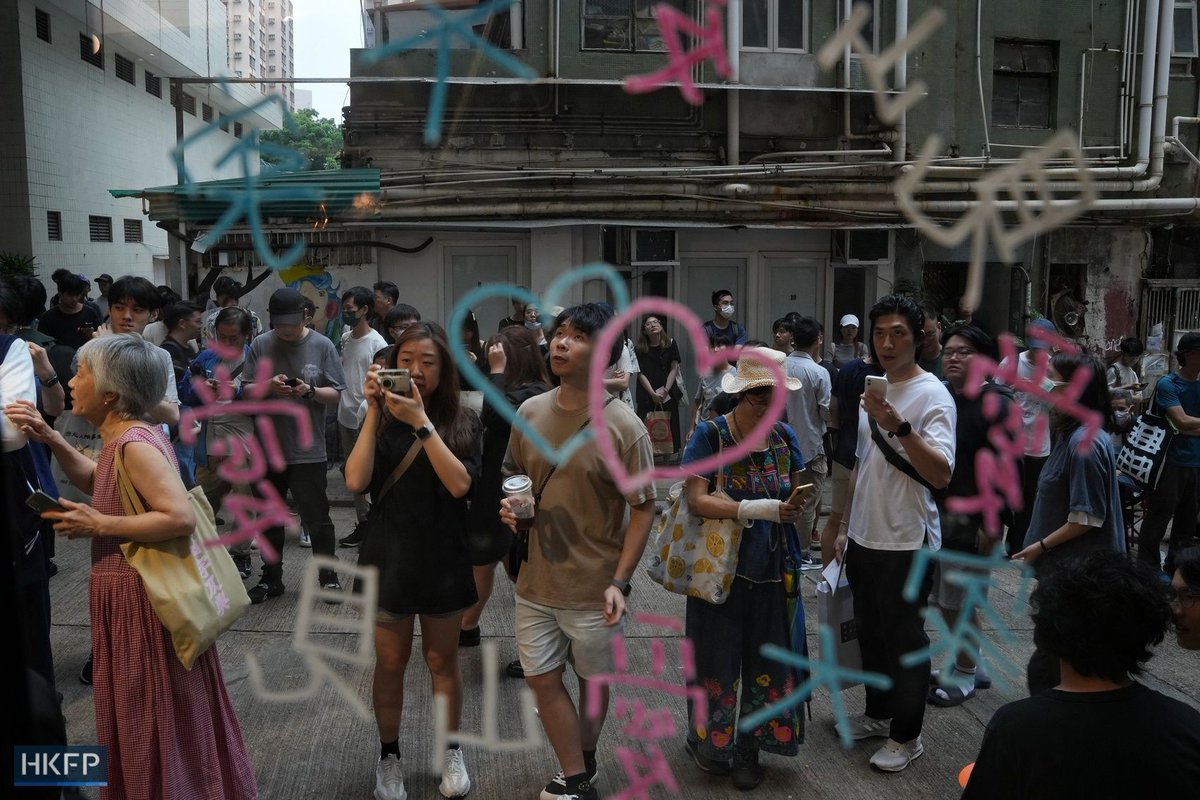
[516, 24]
[733, 98]
[901, 149]
[987, 142]
[844, 13]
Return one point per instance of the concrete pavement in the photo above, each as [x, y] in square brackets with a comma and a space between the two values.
[318, 748]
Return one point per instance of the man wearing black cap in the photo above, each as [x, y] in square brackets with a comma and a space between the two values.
[228, 292]
[306, 370]
[104, 282]
[1174, 500]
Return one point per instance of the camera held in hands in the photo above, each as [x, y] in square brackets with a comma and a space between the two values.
[394, 380]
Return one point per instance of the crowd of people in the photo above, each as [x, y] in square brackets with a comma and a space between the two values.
[892, 426]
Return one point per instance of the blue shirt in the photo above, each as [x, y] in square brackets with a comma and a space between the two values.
[1175, 390]
[1075, 481]
[762, 474]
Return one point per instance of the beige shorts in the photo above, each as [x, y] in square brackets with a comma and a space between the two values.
[840, 477]
[547, 638]
[948, 594]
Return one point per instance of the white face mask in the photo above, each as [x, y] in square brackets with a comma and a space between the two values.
[727, 311]
[533, 326]
[1122, 418]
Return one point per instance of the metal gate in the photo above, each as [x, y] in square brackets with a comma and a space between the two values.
[1173, 303]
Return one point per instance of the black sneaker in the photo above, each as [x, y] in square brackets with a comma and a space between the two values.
[556, 789]
[329, 583]
[470, 637]
[243, 565]
[747, 773]
[353, 538]
[85, 674]
[710, 765]
[51, 569]
[265, 589]
[514, 669]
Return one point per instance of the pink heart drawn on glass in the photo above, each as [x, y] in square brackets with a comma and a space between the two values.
[705, 360]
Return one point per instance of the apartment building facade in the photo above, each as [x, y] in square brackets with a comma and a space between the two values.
[262, 44]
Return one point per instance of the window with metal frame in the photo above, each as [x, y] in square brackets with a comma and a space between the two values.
[99, 228]
[1023, 83]
[91, 51]
[153, 84]
[775, 25]
[133, 231]
[1186, 45]
[124, 69]
[626, 25]
[54, 226]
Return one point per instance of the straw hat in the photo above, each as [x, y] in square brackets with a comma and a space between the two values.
[752, 374]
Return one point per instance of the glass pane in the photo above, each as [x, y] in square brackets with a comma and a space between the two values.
[791, 24]
[1034, 115]
[1004, 87]
[1038, 57]
[755, 23]
[606, 8]
[606, 35]
[645, 8]
[1035, 89]
[649, 37]
[1185, 33]
[1004, 112]
[1007, 57]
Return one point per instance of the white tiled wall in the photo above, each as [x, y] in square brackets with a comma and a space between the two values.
[88, 131]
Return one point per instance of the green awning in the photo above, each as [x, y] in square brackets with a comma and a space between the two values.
[330, 194]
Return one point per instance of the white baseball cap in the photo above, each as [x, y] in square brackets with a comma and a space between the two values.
[849, 319]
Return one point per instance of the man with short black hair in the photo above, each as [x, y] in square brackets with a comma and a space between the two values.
[358, 350]
[518, 312]
[890, 515]
[228, 292]
[808, 413]
[1174, 500]
[306, 371]
[931, 344]
[722, 331]
[582, 552]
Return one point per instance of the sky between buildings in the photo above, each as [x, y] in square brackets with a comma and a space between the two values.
[326, 31]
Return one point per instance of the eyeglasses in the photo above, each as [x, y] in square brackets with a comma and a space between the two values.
[957, 352]
[1185, 599]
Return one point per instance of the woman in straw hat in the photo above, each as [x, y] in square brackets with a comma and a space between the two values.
[727, 637]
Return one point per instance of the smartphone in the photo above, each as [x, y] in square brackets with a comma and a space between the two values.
[39, 501]
[292, 382]
[877, 385]
[394, 380]
[799, 494]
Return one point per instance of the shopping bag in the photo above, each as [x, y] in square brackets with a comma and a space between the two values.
[662, 440]
[195, 589]
[1144, 452]
[836, 609]
[692, 555]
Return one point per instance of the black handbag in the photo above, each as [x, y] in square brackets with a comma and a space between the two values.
[1144, 452]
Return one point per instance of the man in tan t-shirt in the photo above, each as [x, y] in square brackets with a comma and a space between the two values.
[571, 593]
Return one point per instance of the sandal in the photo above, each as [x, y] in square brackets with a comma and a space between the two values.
[982, 679]
[947, 696]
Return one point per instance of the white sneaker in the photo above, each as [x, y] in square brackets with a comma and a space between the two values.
[455, 781]
[389, 779]
[305, 539]
[864, 727]
[894, 756]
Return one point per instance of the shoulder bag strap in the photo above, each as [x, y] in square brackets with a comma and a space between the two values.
[711, 431]
[401, 468]
[537, 497]
[895, 459]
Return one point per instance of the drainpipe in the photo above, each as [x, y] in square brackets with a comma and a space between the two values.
[987, 142]
[1175, 140]
[516, 24]
[901, 147]
[733, 98]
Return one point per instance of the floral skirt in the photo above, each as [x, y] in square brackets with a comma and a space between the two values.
[726, 640]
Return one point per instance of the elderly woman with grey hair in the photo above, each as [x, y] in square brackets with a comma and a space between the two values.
[170, 732]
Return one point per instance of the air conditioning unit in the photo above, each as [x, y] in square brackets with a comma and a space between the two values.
[653, 247]
[864, 247]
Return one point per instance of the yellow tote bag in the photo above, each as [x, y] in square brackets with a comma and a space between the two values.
[195, 590]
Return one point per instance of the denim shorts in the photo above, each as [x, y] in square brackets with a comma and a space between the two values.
[547, 638]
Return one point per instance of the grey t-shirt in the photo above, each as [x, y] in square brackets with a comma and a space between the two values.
[313, 360]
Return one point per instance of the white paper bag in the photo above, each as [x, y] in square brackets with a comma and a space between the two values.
[836, 609]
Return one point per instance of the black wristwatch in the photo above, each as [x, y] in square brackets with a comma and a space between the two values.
[310, 394]
[622, 585]
[904, 430]
[424, 431]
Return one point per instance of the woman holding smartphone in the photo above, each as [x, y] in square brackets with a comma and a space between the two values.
[417, 454]
[728, 637]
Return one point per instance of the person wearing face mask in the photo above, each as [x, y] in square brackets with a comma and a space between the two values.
[722, 331]
[1122, 408]
[359, 345]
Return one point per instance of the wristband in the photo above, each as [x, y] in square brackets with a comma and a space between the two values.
[1042, 542]
[622, 585]
[53, 379]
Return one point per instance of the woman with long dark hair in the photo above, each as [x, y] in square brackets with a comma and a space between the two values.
[658, 387]
[517, 369]
[417, 453]
[1077, 510]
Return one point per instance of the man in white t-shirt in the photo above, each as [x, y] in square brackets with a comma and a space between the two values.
[359, 346]
[891, 514]
[1034, 413]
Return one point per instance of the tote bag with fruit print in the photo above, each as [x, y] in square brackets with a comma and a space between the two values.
[692, 555]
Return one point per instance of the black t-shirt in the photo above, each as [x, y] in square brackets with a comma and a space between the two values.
[848, 389]
[971, 436]
[1121, 744]
[69, 329]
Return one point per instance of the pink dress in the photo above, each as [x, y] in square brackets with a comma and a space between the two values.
[170, 732]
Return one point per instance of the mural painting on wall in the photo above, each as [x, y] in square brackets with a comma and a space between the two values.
[318, 285]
